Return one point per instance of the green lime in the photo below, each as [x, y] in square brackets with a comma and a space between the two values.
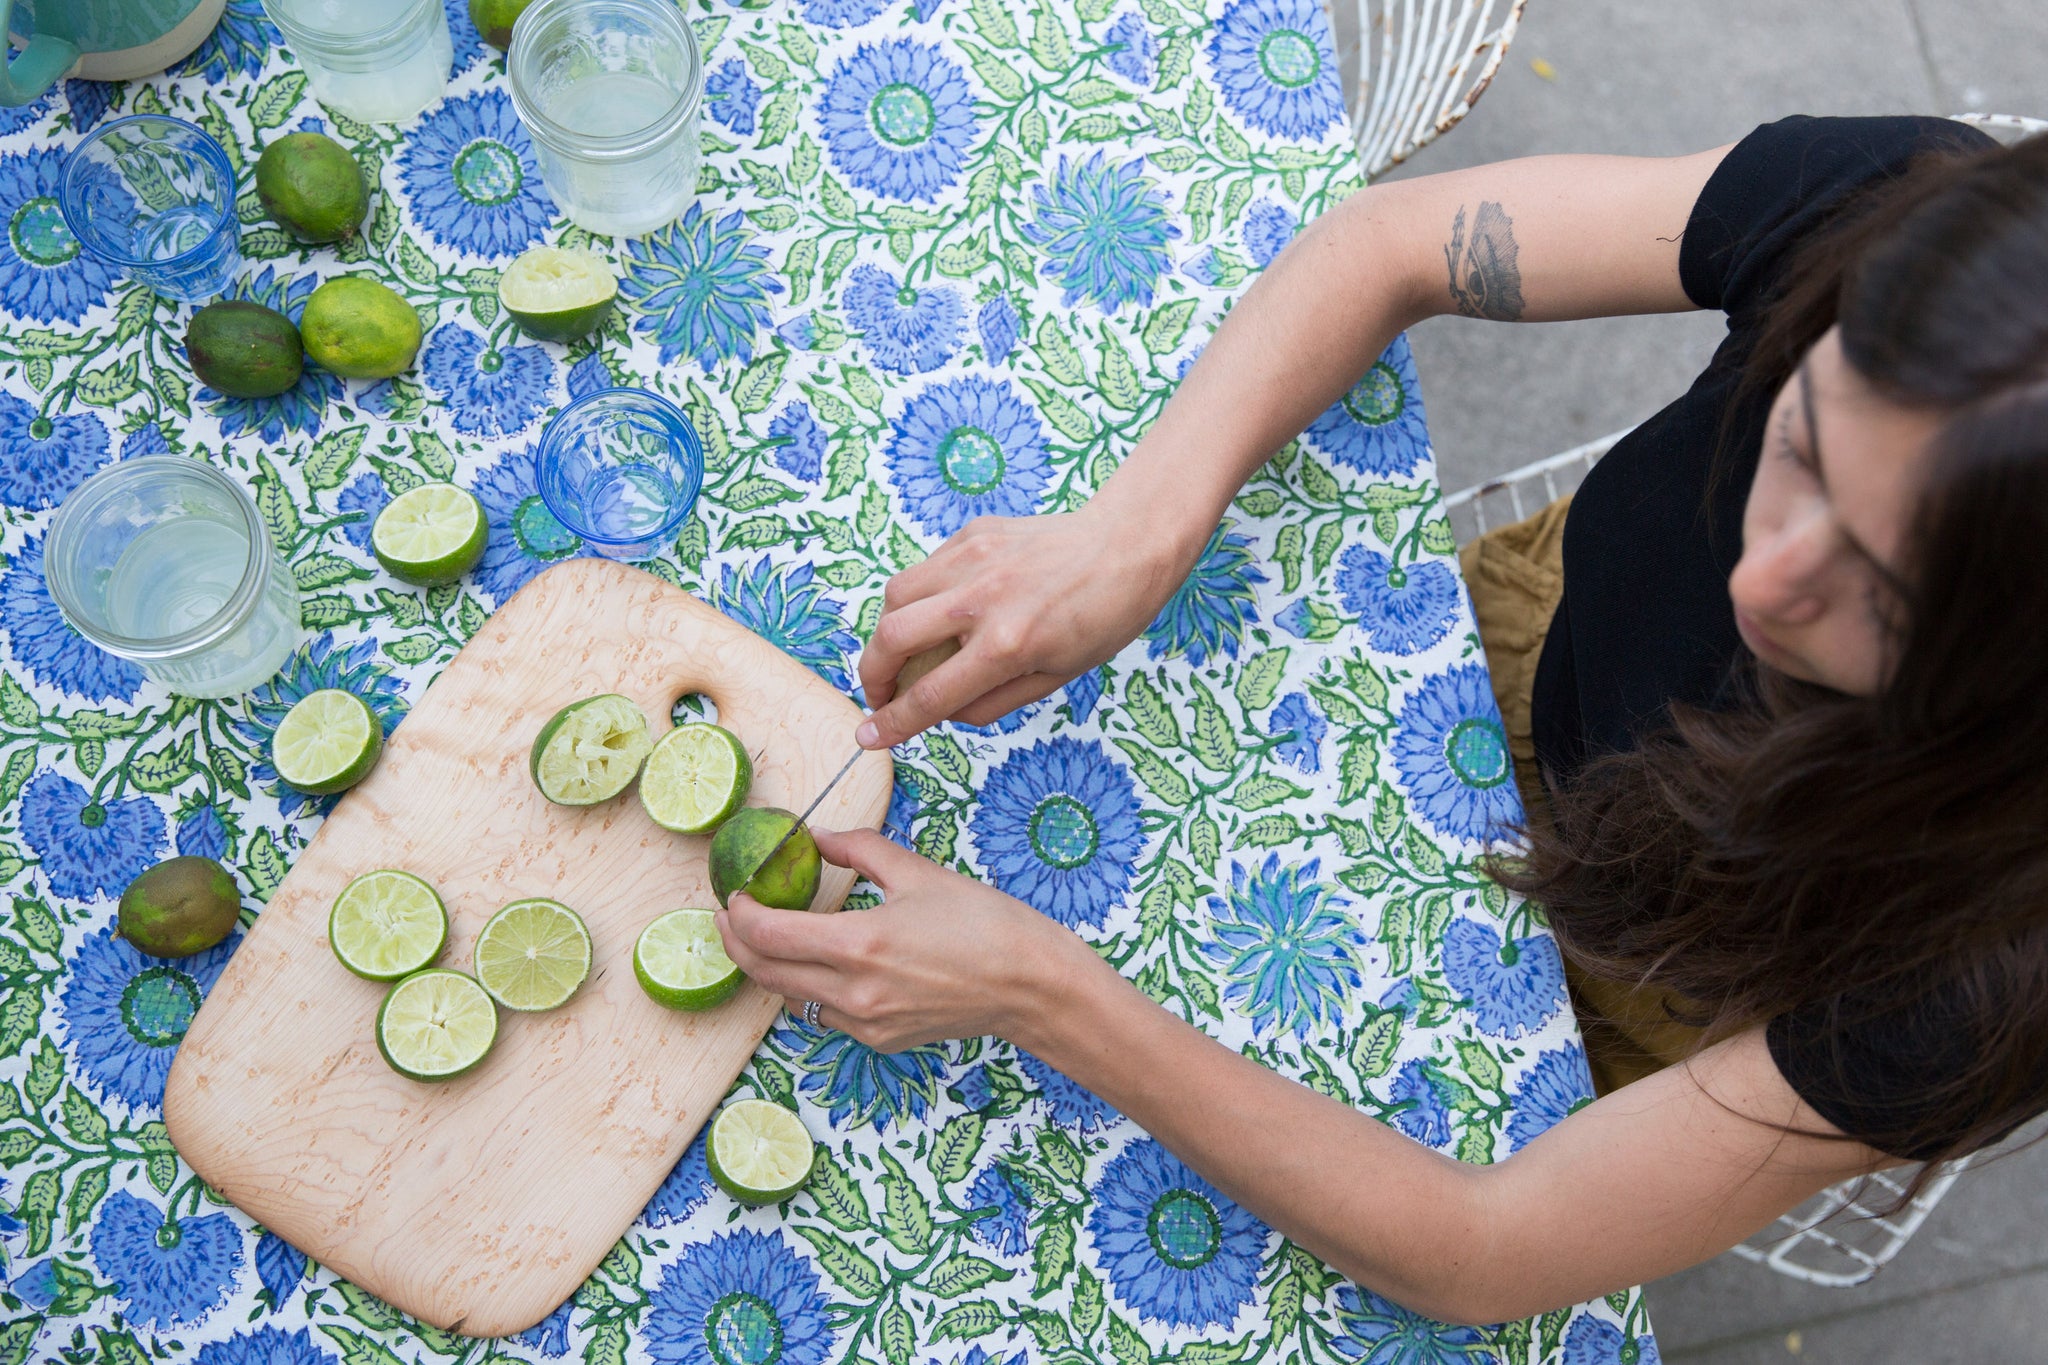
[430, 535]
[759, 1152]
[327, 742]
[243, 349]
[386, 925]
[590, 750]
[788, 881]
[313, 188]
[695, 778]
[681, 961]
[558, 295]
[494, 19]
[180, 907]
[359, 329]
[533, 954]
[436, 1024]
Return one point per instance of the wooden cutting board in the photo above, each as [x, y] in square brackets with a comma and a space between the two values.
[480, 1204]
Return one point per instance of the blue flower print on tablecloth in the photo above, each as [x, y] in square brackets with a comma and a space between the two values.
[1287, 947]
[1299, 728]
[997, 323]
[685, 1188]
[1057, 827]
[1512, 988]
[125, 1013]
[470, 175]
[731, 97]
[897, 117]
[203, 832]
[1378, 426]
[239, 45]
[88, 102]
[525, 537]
[904, 330]
[588, 375]
[298, 408]
[1273, 68]
[267, 1346]
[858, 1086]
[15, 117]
[44, 273]
[1209, 611]
[906, 803]
[1104, 228]
[1067, 1102]
[1424, 1115]
[1404, 608]
[1080, 696]
[280, 1269]
[1130, 50]
[43, 642]
[43, 458]
[1003, 1199]
[1593, 1342]
[35, 1286]
[799, 441]
[1376, 1331]
[701, 287]
[360, 502]
[491, 390]
[966, 448]
[89, 847]
[1556, 1085]
[318, 664]
[147, 439]
[469, 44]
[738, 1296]
[1174, 1248]
[1451, 755]
[1266, 231]
[792, 611]
[842, 13]
[168, 1273]
[549, 1336]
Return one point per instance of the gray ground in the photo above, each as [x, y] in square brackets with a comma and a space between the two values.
[1658, 77]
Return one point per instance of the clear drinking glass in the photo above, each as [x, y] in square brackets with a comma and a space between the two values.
[377, 61]
[164, 560]
[155, 196]
[609, 90]
[621, 468]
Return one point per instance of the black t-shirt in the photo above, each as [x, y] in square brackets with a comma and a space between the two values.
[1656, 529]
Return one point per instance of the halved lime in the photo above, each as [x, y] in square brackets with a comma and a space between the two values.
[435, 1025]
[327, 742]
[430, 535]
[590, 750]
[681, 962]
[759, 1152]
[533, 954]
[558, 295]
[387, 924]
[695, 778]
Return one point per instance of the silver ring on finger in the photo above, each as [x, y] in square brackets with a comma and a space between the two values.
[810, 1013]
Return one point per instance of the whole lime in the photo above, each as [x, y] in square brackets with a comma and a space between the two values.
[360, 329]
[243, 349]
[788, 881]
[494, 19]
[313, 188]
[180, 907]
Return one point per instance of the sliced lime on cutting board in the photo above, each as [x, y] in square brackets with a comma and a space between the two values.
[430, 535]
[435, 1025]
[327, 742]
[533, 954]
[695, 778]
[590, 750]
[759, 1152]
[387, 924]
[681, 963]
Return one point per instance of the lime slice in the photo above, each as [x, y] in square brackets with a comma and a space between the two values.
[759, 1152]
[695, 778]
[327, 742]
[435, 1025]
[533, 954]
[681, 962]
[558, 295]
[590, 751]
[430, 535]
[386, 925]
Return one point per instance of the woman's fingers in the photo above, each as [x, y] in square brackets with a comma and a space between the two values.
[783, 935]
[887, 865]
[991, 707]
[981, 666]
[902, 634]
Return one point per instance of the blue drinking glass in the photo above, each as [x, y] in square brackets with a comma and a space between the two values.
[620, 468]
[155, 197]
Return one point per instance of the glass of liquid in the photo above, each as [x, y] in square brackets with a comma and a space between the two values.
[609, 90]
[155, 197]
[375, 61]
[165, 561]
[620, 468]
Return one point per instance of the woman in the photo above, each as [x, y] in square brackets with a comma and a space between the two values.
[1788, 711]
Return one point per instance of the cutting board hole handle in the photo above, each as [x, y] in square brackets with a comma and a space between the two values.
[693, 706]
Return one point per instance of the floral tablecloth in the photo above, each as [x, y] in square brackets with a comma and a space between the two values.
[949, 259]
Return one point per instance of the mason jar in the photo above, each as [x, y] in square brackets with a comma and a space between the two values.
[375, 61]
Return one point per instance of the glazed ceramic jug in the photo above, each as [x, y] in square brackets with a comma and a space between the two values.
[97, 40]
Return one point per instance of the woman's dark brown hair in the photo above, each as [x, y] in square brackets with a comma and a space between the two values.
[1852, 859]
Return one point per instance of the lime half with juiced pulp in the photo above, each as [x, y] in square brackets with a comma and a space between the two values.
[327, 742]
[681, 963]
[430, 535]
[759, 1152]
[435, 1025]
[533, 954]
[555, 294]
[590, 750]
[386, 925]
[695, 778]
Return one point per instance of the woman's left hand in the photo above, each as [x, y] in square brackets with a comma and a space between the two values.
[943, 956]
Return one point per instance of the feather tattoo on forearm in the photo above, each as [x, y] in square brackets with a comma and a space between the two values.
[1485, 282]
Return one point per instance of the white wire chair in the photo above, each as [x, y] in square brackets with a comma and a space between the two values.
[1413, 68]
[1841, 1236]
